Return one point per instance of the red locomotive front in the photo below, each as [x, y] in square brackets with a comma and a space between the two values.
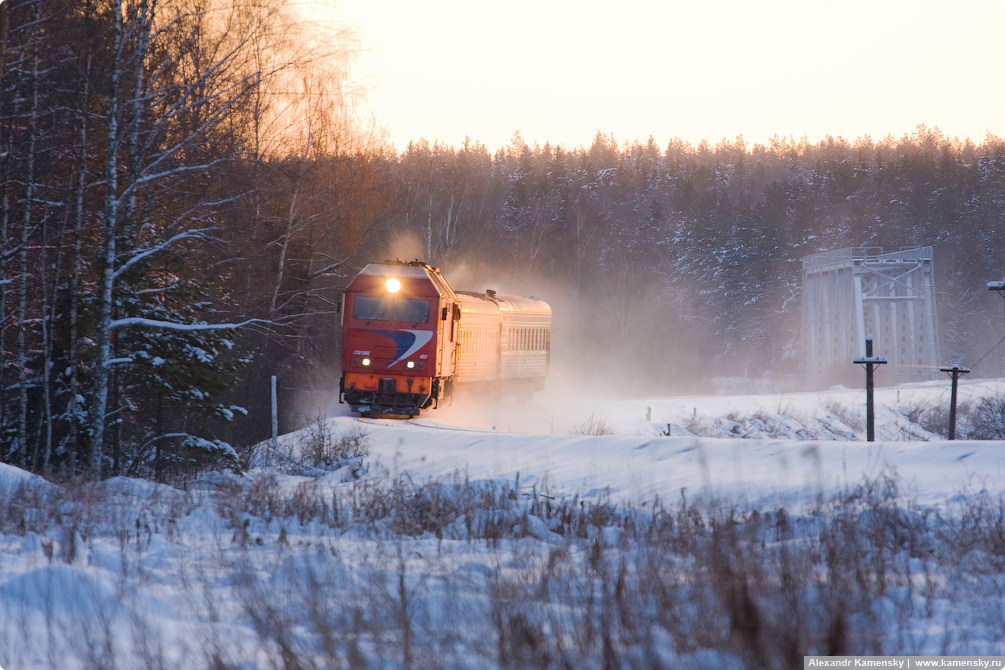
[404, 346]
[399, 328]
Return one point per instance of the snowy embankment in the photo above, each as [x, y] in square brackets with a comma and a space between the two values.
[446, 542]
[632, 469]
[795, 444]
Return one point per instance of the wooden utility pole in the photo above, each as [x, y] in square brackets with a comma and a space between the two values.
[955, 372]
[870, 364]
[997, 286]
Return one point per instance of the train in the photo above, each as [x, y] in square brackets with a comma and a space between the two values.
[409, 340]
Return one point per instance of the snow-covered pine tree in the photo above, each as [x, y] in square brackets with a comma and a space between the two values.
[170, 382]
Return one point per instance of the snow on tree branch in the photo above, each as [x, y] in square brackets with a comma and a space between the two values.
[170, 325]
[199, 233]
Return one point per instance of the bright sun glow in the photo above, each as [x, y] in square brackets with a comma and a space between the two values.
[393, 285]
[562, 70]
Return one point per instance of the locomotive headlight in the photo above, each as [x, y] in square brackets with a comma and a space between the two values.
[366, 362]
[410, 364]
[393, 285]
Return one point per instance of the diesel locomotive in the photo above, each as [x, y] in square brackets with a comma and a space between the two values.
[409, 340]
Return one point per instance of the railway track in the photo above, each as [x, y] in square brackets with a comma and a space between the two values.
[422, 424]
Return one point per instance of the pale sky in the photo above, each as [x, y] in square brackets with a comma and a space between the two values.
[559, 70]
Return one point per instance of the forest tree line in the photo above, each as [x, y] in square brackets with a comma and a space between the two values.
[185, 187]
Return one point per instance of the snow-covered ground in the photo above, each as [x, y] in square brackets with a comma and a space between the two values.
[503, 536]
[802, 443]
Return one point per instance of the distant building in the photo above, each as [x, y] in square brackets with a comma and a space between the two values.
[849, 294]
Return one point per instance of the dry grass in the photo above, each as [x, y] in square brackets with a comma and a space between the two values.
[610, 586]
[847, 416]
[592, 426]
[704, 426]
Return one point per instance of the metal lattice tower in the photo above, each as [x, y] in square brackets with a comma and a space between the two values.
[856, 292]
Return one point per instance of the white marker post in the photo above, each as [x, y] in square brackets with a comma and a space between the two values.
[275, 420]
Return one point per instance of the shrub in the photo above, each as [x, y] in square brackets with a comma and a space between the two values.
[320, 447]
[703, 426]
[933, 417]
[592, 426]
[324, 448]
[988, 418]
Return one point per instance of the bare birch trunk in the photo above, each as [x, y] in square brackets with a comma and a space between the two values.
[142, 22]
[48, 307]
[107, 256]
[3, 39]
[291, 218]
[78, 224]
[25, 458]
[280, 269]
[4, 218]
[4, 209]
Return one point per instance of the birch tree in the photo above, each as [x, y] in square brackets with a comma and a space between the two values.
[322, 191]
[207, 76]
[180, 78]
[30, 150]
[125, 129]
[444, 195]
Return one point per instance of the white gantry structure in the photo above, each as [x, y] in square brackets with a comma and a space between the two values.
[858, 292]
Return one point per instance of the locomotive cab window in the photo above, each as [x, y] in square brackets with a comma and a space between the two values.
[408, 309]
[371, 308]
[382, 308]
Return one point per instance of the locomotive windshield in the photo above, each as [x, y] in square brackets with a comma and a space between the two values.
[386, 308]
